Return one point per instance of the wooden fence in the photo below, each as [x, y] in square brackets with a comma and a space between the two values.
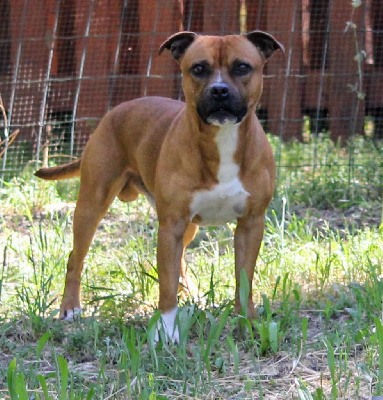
[66, 62]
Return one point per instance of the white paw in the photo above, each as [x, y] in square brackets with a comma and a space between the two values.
[167, 322]
[72, 315]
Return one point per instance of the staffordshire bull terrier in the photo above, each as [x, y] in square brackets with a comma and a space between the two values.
[205, 161]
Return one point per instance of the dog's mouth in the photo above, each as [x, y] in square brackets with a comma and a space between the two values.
[221, 116]
[222, 113]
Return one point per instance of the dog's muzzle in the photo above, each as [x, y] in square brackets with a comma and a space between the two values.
[219, 106]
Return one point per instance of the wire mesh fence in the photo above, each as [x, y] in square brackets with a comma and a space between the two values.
[65, 63]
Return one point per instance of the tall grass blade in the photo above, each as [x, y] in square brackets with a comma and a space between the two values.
[90, 394]
[41, 343]
[244, 291]
[234, 351]
[332, 368]
[11, 379]
[64, 374]
[21, 387]
[44, 387]
[16, 383]
[273, 336]
[379, 335]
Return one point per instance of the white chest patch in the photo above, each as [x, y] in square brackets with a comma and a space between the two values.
[226, 201]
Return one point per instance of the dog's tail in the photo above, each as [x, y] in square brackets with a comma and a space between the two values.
[65, 171]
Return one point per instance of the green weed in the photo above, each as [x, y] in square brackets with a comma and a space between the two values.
[318, 287]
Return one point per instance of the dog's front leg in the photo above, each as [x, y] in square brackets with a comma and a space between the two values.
[247, 241]
[169, 255]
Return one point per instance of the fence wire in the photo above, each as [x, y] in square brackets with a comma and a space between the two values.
[65, 63]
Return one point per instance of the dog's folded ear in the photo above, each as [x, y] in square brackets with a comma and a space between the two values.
[178, 43]
[265, 43]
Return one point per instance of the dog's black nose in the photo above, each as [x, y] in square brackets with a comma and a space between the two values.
[219, 91]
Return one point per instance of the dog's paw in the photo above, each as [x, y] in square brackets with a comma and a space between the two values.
[72, 315]
[167, 323]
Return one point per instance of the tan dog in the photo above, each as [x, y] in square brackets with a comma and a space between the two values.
[205, 162]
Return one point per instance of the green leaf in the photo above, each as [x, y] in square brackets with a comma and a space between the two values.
[244, 291]
[41, 343]
[21, 387]
[64, 373]
[234, 351]
[90, 393]
[273, 336]
[44, 387]
[11, 379]
[16, 383]
[379, 335]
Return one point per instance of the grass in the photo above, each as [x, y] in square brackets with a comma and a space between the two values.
[318, 287]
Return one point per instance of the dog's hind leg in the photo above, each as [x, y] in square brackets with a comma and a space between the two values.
[189, 235]
[97, 191]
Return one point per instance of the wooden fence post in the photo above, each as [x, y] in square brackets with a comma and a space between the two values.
[158, 20]
[221, 17]
[284, 100]
[374, 98]
[345, 110]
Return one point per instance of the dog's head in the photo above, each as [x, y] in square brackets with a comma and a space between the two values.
[222, 75]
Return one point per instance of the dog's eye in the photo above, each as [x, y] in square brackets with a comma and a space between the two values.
[199, 70]
[241, 69]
